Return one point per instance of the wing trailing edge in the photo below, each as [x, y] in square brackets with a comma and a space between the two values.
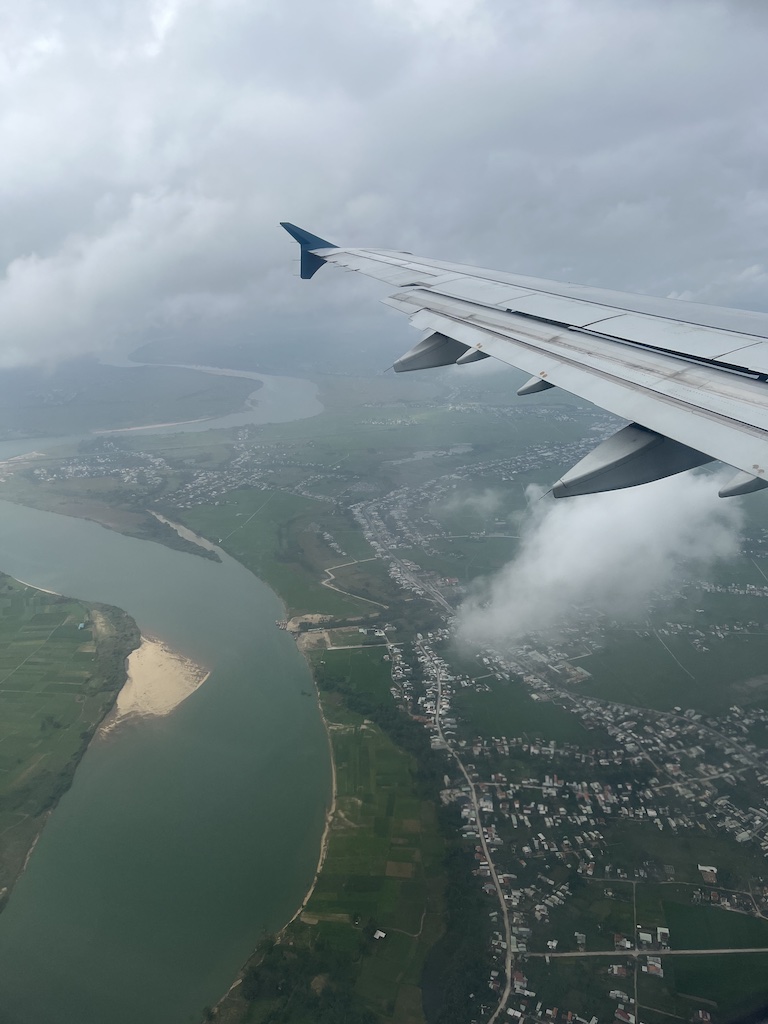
[691, 379]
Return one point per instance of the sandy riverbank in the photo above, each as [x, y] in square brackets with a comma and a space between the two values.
[159, 679]
[17, 462]
[330, 814]
[185, 533]
[42, 590]
[151, 426]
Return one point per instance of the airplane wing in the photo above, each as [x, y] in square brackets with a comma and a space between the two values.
[692, 379]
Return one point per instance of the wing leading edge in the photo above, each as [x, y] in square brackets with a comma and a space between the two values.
[692, 379]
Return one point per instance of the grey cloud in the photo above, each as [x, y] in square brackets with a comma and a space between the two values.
[151, 148]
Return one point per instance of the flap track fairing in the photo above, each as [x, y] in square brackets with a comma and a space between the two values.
[742, 483]
[634, 455]
[533, 386]
[434, 350]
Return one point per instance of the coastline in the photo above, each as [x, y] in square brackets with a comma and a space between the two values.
[297, 946]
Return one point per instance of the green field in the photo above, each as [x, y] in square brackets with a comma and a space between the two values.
[592, 912]
[641, 671]
[508, 710]
[735, 983]
[693, 927]
[384, 864]
[268, 531]
[575, 984]
[366, 670]
[57, 681]
[632, 842]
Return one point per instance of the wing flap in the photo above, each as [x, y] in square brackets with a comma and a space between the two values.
[697, 412]
[695, 374]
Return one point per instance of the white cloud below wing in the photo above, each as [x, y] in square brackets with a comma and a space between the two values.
[609, 552]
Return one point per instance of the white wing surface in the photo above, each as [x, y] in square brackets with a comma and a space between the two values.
[692, 379]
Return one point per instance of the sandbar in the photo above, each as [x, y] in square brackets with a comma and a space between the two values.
[185, 533]
[150, 426]
[42, 590]
[159, 679]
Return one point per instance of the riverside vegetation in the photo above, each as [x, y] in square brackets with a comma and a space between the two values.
[62, 664]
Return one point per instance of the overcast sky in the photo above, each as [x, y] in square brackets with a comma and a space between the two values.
[149, 150]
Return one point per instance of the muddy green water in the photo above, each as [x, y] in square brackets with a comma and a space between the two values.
[182, 839]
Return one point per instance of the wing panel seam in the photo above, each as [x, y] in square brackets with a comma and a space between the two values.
[659, 396]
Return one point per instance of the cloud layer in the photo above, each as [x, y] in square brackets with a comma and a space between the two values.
[151, 147]
[484, 503]
[607, 552]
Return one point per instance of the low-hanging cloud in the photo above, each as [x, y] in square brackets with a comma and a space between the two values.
[484, 503]
[608, 552]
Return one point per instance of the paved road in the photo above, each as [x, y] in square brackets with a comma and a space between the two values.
[503, 907]
[654, 952]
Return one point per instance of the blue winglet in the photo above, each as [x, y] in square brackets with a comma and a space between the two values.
[310, 263]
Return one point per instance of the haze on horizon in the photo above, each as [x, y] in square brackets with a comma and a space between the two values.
[151, 148]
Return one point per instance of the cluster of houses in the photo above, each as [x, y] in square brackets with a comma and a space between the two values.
[556, 817]
[696, 757]
[403, 517]
[251, 464]
[138, 470]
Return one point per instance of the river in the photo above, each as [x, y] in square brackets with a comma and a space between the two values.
[182, 839]
[277, 400]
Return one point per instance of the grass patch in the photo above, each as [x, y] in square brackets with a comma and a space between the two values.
[632, 843]
[734, 983]
[365, 669]
[508, 710]
[693, 927]
[270, 533]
